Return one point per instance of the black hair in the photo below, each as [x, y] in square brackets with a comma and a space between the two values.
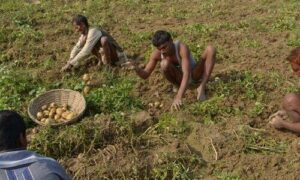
[294, 54]
[160, 37]
[12, 126]
[80, 19]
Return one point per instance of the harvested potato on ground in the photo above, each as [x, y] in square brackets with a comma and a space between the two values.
[86, 89]
[86, 77]
[156, 104]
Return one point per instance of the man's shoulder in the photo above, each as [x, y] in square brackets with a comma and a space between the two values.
[94, 29]
[49, 166]
[181, 44]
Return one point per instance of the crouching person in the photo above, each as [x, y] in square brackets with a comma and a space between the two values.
[93, 41]
[291, 102]
[18, 163]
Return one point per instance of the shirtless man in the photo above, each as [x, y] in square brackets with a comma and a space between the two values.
[92, 41]
[178, 65]
[291, 102]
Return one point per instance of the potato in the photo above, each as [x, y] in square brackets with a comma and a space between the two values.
[65, 106]
[51, 114]
[65, 114]
[70, 116]
[64, 109]
[89, 83]
[150, 104]
[39, 115]
[43, 120]
[156, 104]
[57, 117]
[53, 110]
[46, 113]
[44, 107]
[59, 111]
[52, 105]
[49, 121]
[86, 89]
[86, 77]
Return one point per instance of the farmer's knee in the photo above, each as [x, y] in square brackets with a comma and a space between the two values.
[290, 101]
[164, 65]
[211, 50]
[104, 41]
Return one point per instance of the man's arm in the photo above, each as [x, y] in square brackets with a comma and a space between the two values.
[76, 49]
[185, 55]
[145, 73]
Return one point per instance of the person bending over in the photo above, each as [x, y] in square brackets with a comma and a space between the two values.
[92, 41]
[178, 66]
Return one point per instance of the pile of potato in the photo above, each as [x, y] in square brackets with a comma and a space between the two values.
[156, 105]
[87, 82]
[54, 113]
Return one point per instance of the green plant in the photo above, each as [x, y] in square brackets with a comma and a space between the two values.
[113, 98]
[168, 123]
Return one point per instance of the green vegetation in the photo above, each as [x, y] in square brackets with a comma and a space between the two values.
[250, 79]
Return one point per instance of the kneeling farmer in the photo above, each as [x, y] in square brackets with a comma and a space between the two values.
[178, 65]
[92, 41]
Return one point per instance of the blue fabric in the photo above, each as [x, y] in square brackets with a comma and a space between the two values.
[23, 164]
[11, 175]
[27, 175]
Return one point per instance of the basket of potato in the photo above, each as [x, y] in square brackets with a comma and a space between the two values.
[57, 107]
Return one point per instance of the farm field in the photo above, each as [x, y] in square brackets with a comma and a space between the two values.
[121, 136]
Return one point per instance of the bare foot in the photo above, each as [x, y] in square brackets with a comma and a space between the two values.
[277, 122]
[201, 94]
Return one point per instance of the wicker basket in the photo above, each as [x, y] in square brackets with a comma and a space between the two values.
[73, 99]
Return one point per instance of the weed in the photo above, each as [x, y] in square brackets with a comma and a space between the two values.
[16, 89]
[113, 98]
[251, 43]
[211, 110]
[177, 167]
[69, 141]
[168, 123]
[258, 141]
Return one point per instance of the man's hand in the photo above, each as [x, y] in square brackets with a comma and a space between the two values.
[130, 65]
[67, 67]
[177, 103]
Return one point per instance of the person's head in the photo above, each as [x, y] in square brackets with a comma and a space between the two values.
[294, 60]
[162, 40]
[12, 131]
[80, 23]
